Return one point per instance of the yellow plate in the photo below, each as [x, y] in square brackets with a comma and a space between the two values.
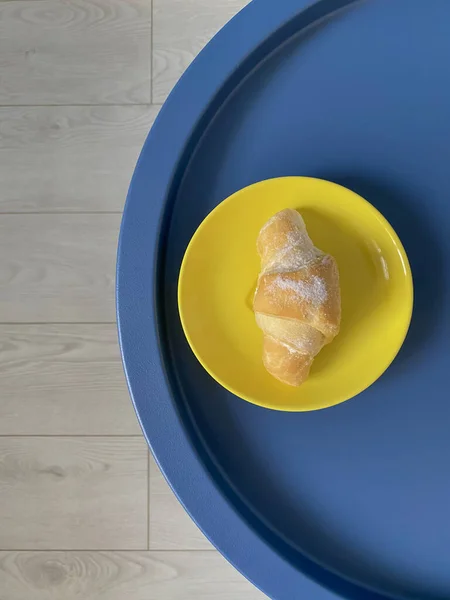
[218, 278]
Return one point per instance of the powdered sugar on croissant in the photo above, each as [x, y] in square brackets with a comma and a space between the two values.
[297, 301]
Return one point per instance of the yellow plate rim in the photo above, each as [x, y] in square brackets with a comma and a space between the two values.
[358, 389]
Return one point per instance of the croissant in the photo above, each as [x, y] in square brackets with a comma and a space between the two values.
[297, 302]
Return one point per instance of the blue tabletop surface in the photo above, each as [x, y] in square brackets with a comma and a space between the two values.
[350, 501]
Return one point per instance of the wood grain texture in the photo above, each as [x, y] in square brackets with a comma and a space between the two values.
[75, 52]
[63, 380]
[121, 576]
[73, 493]
[57, 268]
[171, 528]
[63, 159]
[181, 28]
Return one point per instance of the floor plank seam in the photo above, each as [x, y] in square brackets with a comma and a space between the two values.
[148, 499]
[152, 551]
[70, 105]
[64, 212]
[27, 323]
[152, 5]
[71, 435]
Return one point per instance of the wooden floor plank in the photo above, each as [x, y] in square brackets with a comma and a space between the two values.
[73, 493]
[181, 28]
[121, 576]
[75, 52]
[57, 268]
[63, 380]
[171, 528]
[70, 158]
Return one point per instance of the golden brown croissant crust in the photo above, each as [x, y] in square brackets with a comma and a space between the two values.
[297, 301]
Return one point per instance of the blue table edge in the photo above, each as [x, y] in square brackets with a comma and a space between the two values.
[164, 154]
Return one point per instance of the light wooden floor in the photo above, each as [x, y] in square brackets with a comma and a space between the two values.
[84, 512]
